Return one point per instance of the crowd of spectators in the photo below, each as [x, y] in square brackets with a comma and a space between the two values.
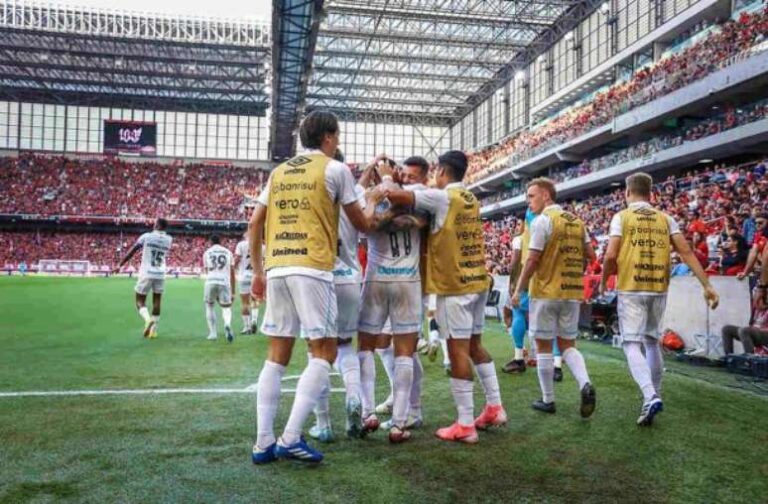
[718, 49]
[731, 117]
[719, 209]
[57, 185]
[98, 248]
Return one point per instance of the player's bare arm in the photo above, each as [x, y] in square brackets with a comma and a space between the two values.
[686, 254]
[610, 262]
[127, 257]
[255, 238]
[525, 277]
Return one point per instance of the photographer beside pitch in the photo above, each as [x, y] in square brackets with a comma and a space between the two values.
[639, 249]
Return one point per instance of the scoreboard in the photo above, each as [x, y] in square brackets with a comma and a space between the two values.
[132, 137]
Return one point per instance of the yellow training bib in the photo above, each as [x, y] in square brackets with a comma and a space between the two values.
[456, 260]
[302, 221]
[560, 272]
[644, 256]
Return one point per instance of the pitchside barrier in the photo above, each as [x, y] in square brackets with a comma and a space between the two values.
[687, 313]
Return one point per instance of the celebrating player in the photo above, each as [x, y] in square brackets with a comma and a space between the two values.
[155, 247]
[300, 206]
[557, 250]
[249, 307]
[641, 240]
[392, 290]
[219, 279]
[456, 273]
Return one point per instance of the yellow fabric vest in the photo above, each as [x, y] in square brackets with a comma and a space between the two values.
[525, 237]
[560, 272]
[644, 256]
[456, 260]
[302, 221]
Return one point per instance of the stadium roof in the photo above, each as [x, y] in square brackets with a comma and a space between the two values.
[62, 54]
[411, 61]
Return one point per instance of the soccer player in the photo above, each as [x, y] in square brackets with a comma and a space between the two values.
[392, 290]
[249, 307]
[300, 207]
[456, 273]
[155, 247]
[219, 279]
[347, 280]
[553, 272]
[520, 313]
[639, 247]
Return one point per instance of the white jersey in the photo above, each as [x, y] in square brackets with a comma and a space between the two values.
[244, 269]
[395, 256]
[154, 255]
[347, 269]
[218, 262]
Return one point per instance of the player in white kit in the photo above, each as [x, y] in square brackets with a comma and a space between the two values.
[219, 279]
[249, 307]
[392, 289]
[347, 278]
[154, 257]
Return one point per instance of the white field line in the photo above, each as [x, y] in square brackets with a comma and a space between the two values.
[250, 389]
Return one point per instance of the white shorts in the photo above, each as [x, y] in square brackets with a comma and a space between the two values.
[145, 285]
[640, 315]
[217, 293]
[431, 302]
[460, 317]
[348, 301]
[398, 301]
[550, 318]
[300, 305]
[244, 286]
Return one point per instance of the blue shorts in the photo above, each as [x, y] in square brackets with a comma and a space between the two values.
[523, 302]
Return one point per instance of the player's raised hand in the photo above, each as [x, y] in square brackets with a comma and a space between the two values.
[712, 297]
[258, 286]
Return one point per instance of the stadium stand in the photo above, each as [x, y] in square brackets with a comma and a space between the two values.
[718, 50]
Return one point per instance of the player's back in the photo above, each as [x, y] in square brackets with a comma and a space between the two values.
[218, 262]
[347, 267]
[394, 255]
[154, 256]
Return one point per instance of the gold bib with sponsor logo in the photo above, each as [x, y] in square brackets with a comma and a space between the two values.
[456, 260]
[560, 273]
[302, 221]
[644, 263]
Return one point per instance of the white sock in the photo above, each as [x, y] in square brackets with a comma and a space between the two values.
[387, 356]
[576, 364]
[246, 321]
[227, 315]
[655, 362]
[418, 375]
[446, 358]
[322, 410]
[487, 374]
[639, 369]
[518, 354]
[308, 390]
[558, 360]
[402, 389]
[156, 320]
[462, 396]
[367, 381]
[434, 337]
[210, 317]
[348, 366]
[254, 315]
[545, 368]
[144, 313]
[267, 402]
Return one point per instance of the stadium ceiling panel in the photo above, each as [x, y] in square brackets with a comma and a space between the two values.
[428, 60]
[68, 55]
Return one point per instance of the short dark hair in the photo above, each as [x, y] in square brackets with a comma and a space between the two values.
[215, 239]
[161, 223]
[338, 156]
[455, 163]
[417, 161]
[315, 126]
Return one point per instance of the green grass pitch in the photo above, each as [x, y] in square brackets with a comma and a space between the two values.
[709, 445]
